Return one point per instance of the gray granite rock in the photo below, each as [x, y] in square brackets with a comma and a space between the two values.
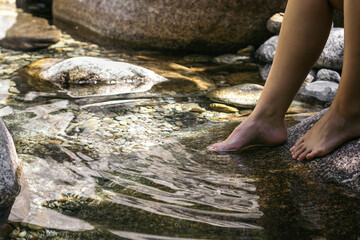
[202, 25]
[89, 76]
[9, 173]
[328, 75]
[331, 57]
[333, 53]
[274, 23]
[266, 52]
[310, 77]
[265, 70]
[245, 95]
[319, 92]
[341, 166]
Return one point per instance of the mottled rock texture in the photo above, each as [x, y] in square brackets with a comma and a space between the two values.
[86, 76]
[265, 70]
[275, 22]
[9, 173]
[319, 92]
[244, 95]
[327, 75]
[331, 57]
[266, 52]
[333, 53]
[203, 25]
[341, 166]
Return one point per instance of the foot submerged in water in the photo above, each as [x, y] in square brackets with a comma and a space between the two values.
[253, 132]
[330, 132]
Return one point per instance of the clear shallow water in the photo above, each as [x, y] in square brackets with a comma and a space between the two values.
[177, 190]
[138, 169]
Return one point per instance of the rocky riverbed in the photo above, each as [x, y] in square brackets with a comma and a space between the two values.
[114, 165]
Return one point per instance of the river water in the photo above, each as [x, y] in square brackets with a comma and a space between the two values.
[137, 168]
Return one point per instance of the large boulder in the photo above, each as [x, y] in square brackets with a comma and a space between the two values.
[341, 166]
[203, 25]
[9, 173]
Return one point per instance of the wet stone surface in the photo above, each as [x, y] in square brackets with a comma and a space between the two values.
[120, 167]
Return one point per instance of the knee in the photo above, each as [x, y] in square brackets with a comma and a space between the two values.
[337, 4]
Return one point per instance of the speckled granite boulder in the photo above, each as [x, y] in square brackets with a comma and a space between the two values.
[331, 57]
[341, 166]
[203, 25]
[333, 53]
[9, 173]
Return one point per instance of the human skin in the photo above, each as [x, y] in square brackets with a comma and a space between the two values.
[304, 32]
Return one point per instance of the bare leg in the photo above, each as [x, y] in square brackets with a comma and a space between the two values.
[342, 121]
[303, 35]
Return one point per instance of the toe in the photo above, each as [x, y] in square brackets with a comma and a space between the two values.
[292, 149]
[298, 151]
[318, 153]
[300, 141]
[304, 155]
[310, 155]
[298, 145]
[214, 147]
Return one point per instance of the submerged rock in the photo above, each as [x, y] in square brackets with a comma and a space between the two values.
[223, 108]
[22, 31]
[87, 76]
[341, 166]
[231, 59]
[201, 25]
[9, 173]
[245, 95]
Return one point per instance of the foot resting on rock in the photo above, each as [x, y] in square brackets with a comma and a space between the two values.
[331, 131]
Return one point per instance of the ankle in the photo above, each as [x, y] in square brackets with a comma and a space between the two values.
[268, 114]
[346, 111]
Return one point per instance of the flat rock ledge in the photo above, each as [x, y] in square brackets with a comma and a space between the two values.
[342, 166]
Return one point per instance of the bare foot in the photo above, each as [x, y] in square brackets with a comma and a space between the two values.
[331, 131]
[253, 131]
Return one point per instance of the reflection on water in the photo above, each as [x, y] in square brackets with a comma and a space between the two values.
[177, 190]
[168, 186]
[104, 168]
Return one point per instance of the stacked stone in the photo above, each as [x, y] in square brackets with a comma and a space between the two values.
[323, 80]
